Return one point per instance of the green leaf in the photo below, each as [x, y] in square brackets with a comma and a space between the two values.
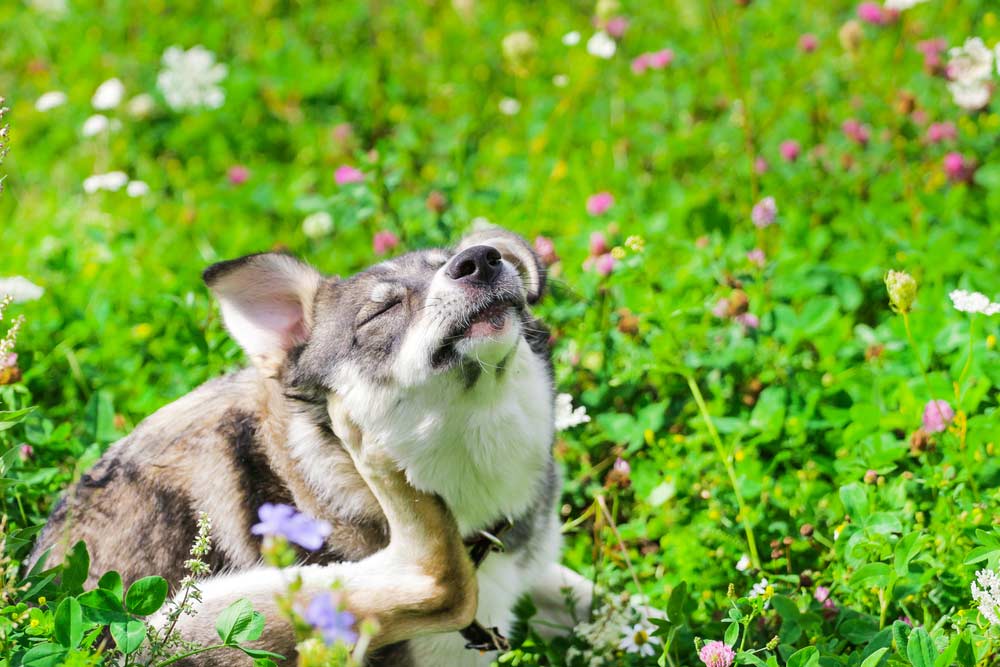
[875, 658]
[855, 500]
[676, 603]
[146, 595]
[239, 623]
[112, 581]
[806, 657]
[101, 606]
[11, 418]
[920, 649]
[128, 635]
[68, 619]
[900, 635]
[732, 634]
[76, 567]
[44, 655]
[906, 549]
[264, 662]
[872, 574]
[259, 654]
[768, 414]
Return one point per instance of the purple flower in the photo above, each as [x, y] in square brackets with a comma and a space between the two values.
[822, 594]
[598, 204]
[621, 466]
[346, 174]
[716, 654]
[937, 415]
[764, 212]
[285, 521]
[323, 615]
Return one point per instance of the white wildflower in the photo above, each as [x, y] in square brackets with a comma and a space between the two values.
[560, 80]
[509, 106]
[108, 95]
[743, 564]
[190, 79]
[111, 181]
[762, 588]
[973, 302]
[902, 5]
[571, 38]
[970, 95]
[50, 100]
[54, 8]
[95, 125]
[137, 188]
[601, 45]
[140, 106]
[639, 639]
[970, 62]
[20, 289]
[602, 634]
[317, 224]
[987, 595]
[566, 416]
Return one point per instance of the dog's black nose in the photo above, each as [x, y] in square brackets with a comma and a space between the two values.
[478, 265]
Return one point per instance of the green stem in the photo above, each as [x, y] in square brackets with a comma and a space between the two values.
[180, 657]
[730, 470]
[968, 360]
[883, 608]
[920, 364]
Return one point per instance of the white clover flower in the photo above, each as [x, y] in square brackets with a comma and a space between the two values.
[970, 95]
[317, 224]
[601, 45]
[95, 125]
[970, 62]
[113, 181]
[560, 80]
[761, 588]
[50, 100]
[566, 416]
[743, 564]
[137, 189]
[973, 302]
[571, 38]
[639, 639]
[20, 289]
[902, 5]
[141, 105]
[509, 106]
[987, 595]
[108, 95]
[190, 79]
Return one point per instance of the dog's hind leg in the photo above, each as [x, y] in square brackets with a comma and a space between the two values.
[422, 582]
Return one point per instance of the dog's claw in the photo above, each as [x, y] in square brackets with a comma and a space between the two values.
[484, 639]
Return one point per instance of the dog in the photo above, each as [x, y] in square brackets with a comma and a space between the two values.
[410, 406]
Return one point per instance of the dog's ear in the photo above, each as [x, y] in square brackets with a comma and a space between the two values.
[516, 250]
[266, 302]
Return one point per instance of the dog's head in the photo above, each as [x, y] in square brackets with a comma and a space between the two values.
[401, 323]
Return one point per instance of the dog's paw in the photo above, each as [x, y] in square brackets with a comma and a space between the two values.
[367, 454]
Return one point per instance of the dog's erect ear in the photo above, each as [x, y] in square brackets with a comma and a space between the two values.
[516, 250]
[266, 302]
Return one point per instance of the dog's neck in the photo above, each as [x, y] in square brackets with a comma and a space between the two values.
[484, 446]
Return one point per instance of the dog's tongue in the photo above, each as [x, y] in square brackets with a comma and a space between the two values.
[489, 322]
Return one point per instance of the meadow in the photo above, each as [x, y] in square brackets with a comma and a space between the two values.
[770, 227]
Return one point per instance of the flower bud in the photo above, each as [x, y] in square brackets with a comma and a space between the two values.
[902, 290]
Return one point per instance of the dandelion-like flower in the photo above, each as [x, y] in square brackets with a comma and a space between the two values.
[716, 654]
[764, 212]
[190, 79]
[986, 593]
[20, 290]
[137, 189]
[571, 38]
[973, 302]
[332, 623]
[639, 639]
[112, 181]
[566, 416]
[95, 124]
[317, 225]
[285, 521]
[902, 290]
[108, 95]
[509, 106]
[50, 100]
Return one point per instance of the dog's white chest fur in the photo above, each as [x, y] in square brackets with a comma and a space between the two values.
[484, 449]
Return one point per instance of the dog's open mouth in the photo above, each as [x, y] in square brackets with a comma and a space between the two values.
[488, 320]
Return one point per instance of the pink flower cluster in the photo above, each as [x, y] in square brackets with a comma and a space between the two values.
[384, 241]
[600, 203]
[614, 26]
[937, 416]
[600, 258]
[717, 654]
[856, 131]
[346, 174]
[652, 60]
[932, 50]
[938, 132]
[764, 213]
[808, 43]
[958, 168]
[876, 14]
[790, 150]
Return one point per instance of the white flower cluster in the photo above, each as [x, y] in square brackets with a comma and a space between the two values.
[970, 70]
[566, 416]
[602, 45]
[615, 626]
[986, 593]
[902, 5]
[190, 79]
[973, 302]
[113, 181]
[19, 289]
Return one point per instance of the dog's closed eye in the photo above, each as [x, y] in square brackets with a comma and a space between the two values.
[371, 312]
